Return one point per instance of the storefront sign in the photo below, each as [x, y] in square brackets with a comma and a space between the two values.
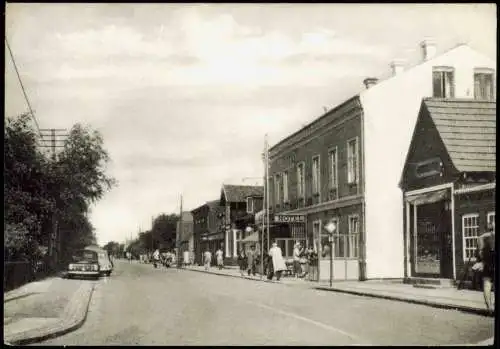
[289, 218]
[429, 168]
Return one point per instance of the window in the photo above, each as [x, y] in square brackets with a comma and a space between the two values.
[470, 229]
[333, 168]
[490, 218]
[315, 175]
[353, 238]
[300, 180]
[483, 84]
[277, 190]
[249, 205]
[443, 82]
[352, 161]
[284, 182]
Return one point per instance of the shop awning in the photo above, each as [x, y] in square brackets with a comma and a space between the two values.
[429, 198]
[254, 237]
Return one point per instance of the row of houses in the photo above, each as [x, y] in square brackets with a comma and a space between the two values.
[406, 169]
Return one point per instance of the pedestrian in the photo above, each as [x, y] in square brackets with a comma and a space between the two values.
[219, 255]
[486, 249]
[207, 259]
[242, 262]
[251, 260]
[278, 262]
[297, 251]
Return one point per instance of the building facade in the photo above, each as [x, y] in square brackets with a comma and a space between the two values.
[208, 229]
[346, 165]
[449, 182]
[185, 234]
[237, 214]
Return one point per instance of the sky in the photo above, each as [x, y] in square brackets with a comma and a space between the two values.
[184, 94]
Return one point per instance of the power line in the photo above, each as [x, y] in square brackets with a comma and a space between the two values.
[22, 87]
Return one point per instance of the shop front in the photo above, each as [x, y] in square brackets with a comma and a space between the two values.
[429, 232]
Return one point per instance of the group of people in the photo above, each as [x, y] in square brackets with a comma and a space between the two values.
[219, 258]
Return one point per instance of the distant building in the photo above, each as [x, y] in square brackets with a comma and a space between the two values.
[449, 182]
[186, 239]
[208, 228]
[346, 165]
[240, 203]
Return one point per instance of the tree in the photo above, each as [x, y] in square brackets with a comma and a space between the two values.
[26, 199]
[164, 230]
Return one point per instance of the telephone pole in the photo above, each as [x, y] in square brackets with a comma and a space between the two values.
[178, 238]
[56, 139]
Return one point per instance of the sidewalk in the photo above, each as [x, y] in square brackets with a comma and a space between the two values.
[448, 298]
[44, 309]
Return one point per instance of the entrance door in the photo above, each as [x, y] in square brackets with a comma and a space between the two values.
[433, 242]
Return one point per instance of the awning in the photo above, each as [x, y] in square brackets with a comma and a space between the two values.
[254, 237]
[429, 198]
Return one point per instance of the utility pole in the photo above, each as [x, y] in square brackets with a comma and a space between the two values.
[56, 139]
[178, 238]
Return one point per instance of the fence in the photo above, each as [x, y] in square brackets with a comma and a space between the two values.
[19, 273]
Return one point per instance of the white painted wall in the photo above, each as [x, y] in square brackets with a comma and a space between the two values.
[390, 112]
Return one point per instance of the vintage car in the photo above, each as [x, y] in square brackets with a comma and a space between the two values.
[105, 263]
[85, 264]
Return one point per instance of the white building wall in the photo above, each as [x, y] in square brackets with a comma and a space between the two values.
[390, 113]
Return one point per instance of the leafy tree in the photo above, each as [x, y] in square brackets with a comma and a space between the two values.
[164, 230]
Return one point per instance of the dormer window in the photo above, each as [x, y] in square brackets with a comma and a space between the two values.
[249, 205]
[483, 84]
[443, 82]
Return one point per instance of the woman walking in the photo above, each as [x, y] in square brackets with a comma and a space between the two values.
[219, 255]
[242, 261]
[278, 263]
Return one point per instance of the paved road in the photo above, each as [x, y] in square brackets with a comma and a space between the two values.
[139, 305]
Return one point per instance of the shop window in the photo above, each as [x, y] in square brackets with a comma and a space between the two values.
[339, 241]
[443, 85]
[352, 161]
[470, 230]
[483, 84]
[249, 205]
[353, 238]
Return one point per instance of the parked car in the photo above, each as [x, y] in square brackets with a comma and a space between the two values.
[85, 264]
[105, 263]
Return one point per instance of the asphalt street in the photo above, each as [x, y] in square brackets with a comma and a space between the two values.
[140, 305]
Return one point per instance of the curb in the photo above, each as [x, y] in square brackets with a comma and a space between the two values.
[466, 309]
[73, 317]
[430, 303]
[245, 277]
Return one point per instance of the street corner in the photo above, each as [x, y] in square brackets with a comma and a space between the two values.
[73, 316]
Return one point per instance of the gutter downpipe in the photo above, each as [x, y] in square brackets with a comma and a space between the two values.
[362, 262]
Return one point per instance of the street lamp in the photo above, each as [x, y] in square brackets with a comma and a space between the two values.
[331, 227]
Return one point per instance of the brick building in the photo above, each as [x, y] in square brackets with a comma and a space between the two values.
[346, 165]
[208, 229]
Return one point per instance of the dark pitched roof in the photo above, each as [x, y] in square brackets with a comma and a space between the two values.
[239, 193]
[213, 205]
[468, 130]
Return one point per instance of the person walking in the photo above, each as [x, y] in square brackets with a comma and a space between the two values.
[251, 260]
[297, 268]
[207, 259]
[278, 262]
[242, 262]
[486, 249]
[219, 255]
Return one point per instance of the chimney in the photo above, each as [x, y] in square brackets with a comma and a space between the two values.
[428, 47]
[369, 82]
[397, 66]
